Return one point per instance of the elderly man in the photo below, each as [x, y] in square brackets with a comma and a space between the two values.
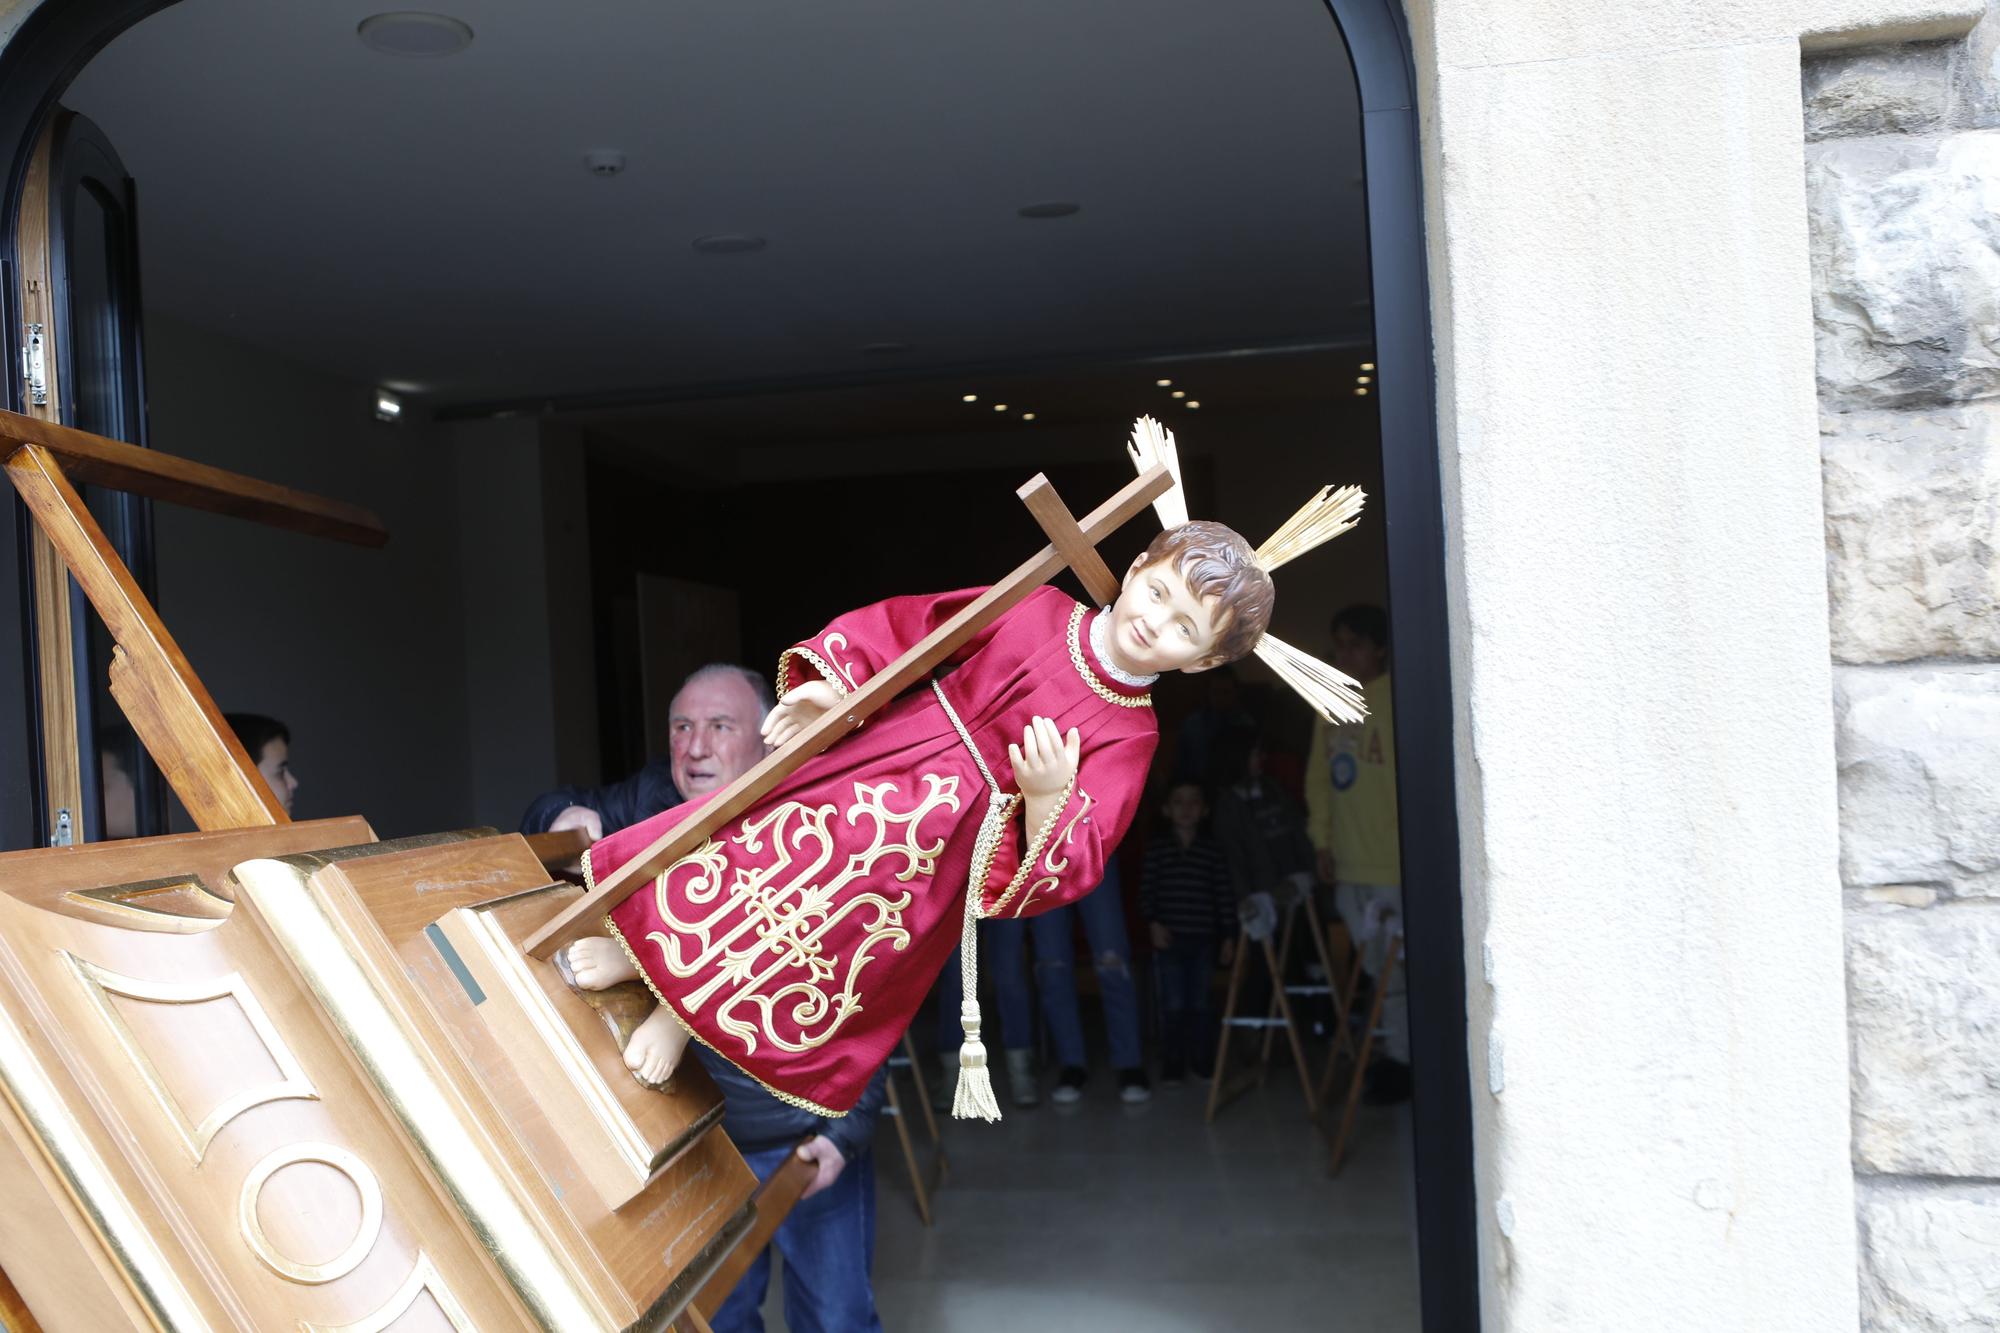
[828, 1239]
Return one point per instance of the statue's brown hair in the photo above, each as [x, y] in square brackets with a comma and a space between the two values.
[1215, 562]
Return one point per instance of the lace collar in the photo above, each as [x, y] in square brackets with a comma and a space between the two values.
[1100, 648]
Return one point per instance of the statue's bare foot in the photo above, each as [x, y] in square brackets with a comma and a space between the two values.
[598, 962]
[655, 1048]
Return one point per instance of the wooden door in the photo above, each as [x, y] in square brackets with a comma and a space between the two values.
[80, 300]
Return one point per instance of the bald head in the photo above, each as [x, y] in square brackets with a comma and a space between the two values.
[713, 727]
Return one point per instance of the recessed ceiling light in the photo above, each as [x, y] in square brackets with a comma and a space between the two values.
[970, 398]
[1053, 208]
[885, 348]
[388, 407]
[1361, 393]
[728, 243]
[1162, 383]
[1027, 416]
[1368, 365]
[1364, 379]
[1192, 404]
[411, 33]
[999, 407]
[1180, 393]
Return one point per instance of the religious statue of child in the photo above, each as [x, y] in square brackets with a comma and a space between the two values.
[799, 940]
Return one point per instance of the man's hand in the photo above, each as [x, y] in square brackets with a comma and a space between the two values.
[798, 710]
[819, 1150]
[1162, 937]
[1045, 760]
[579, 816]
[1326, 866]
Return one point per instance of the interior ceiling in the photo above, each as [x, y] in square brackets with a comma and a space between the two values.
[429, 223]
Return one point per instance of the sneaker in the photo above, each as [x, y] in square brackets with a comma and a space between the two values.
[1021, 1080]
[1387, 1084]
[1133, 1088]
[1069, 1085]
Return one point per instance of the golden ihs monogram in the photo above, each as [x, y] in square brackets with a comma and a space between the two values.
[762, 944]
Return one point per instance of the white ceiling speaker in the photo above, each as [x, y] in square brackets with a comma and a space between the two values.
[604, 162]
[413, 33]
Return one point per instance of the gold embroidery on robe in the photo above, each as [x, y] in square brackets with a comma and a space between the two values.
[762, 947]
[1053, 866]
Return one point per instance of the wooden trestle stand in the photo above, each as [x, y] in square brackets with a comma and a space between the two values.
[278, 1075]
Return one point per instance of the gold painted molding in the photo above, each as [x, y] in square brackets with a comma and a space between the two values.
[365, 1235]
[304, 925]
[101, 983]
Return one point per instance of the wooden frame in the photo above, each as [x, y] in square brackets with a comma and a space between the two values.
[162, 697]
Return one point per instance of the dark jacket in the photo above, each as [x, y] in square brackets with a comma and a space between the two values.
[755, 1120]
[1263, 835]
[638, 797]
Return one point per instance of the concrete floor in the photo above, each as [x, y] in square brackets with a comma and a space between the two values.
[1105, 1216]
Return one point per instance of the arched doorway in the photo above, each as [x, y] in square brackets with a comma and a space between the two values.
[57, 41]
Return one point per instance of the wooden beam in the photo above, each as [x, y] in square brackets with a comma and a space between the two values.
[148, 472]
[773, 1201]
[151, 679]
[1076, 549]
[580, 917]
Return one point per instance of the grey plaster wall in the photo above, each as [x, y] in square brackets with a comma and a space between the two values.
[1903, 178]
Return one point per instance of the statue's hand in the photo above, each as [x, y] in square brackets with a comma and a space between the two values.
[1045, 760]
[798, 710]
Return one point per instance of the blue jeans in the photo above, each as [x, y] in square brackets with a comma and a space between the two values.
[1103, 913]
[1187, 1024]
[829, 1246]
[1003, 955]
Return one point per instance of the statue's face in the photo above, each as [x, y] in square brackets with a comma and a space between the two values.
[1158, 625]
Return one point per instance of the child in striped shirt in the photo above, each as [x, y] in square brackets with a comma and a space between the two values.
[1186, 900]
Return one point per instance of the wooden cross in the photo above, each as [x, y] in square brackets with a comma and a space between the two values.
[1071, 545]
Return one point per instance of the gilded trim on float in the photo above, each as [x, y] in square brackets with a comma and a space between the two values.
[131, 902]
[365, 1235]
[99, 983]
[424, 1277]
[90, 1187]
[389, 1053]
[508, 963]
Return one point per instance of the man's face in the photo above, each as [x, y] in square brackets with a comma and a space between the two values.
[275, 763]
[1358, 655]
[714, 733]
[1157, 624]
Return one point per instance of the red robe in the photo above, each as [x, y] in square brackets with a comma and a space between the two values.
[800, 940]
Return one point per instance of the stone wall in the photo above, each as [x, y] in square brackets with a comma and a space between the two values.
[1903, 179]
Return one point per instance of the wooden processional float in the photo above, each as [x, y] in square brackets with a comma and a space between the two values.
[285, 1076]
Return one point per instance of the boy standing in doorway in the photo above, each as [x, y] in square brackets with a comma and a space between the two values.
[1351, 815]
[1189, 909]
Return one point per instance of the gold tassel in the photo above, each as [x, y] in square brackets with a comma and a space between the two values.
[974, 1098]
[1334, 695]
[1153, 443]
[1321, 519]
